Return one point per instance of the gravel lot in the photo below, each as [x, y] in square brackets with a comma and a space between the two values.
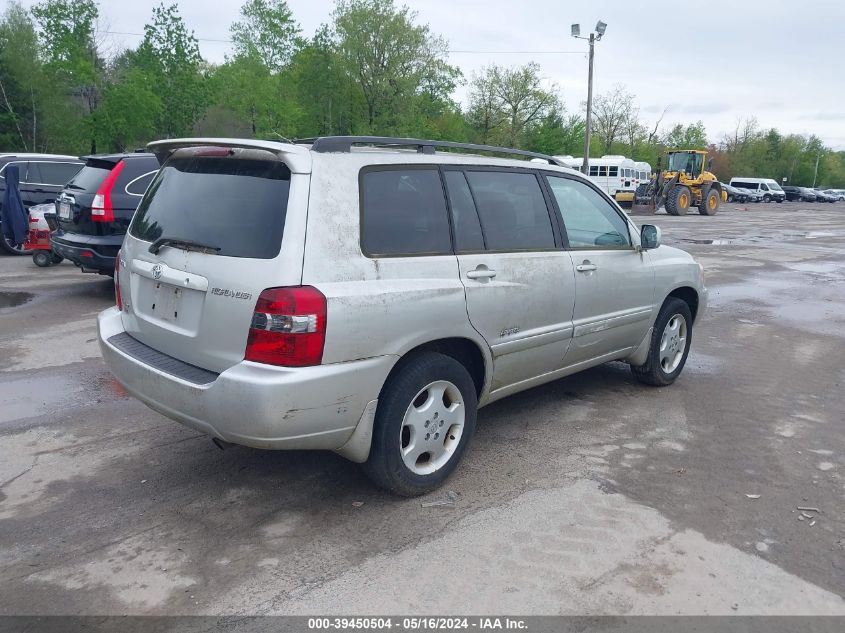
[591, 495]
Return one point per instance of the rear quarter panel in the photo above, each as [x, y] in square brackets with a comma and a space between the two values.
[376, 306]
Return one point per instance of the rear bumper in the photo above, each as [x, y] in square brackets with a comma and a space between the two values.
[93, 252]
[252, 404]
[624, 196]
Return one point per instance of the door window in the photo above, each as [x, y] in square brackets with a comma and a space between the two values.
[512, 209]
[404, 213]
[465, 222]
[590, 221]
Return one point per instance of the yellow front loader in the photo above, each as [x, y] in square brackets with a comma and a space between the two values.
[684, 183]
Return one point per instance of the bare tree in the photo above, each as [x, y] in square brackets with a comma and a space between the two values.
[611, 111]
[654, 135]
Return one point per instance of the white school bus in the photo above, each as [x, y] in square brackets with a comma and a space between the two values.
[615, 174]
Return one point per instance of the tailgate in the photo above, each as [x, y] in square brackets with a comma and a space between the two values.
[214, 229]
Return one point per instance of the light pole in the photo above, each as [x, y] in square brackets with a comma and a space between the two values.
[594, 37]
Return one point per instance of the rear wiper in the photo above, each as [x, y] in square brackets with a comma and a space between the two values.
[155, 247]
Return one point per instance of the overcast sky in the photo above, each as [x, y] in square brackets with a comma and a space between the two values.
[778, 60]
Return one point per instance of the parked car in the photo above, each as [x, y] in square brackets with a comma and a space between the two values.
[734, 194]
[793, 194]
[314, 296]
[42, 177]
[821, 196]
[96, 206]
[838, 194]
[769, 189]
[807, 194]
[751, 195]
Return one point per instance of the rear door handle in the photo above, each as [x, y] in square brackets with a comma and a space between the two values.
[585, 267]
[481, 273]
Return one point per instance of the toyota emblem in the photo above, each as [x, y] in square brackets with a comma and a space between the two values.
[157, 271]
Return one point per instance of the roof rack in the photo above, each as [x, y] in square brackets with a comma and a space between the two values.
[326, 144]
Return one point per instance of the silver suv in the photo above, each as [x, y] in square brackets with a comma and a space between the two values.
[367, 295]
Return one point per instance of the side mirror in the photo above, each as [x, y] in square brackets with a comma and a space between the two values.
[649, 237]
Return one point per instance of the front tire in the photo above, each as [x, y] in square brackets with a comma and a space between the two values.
[678, 201]
[670, 344]
[425, 419]
[767, 199]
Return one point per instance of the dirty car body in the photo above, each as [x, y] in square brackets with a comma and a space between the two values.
[324, 285]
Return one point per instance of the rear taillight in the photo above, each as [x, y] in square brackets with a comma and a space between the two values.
[288, 327]
[118, 298]
[102, 209]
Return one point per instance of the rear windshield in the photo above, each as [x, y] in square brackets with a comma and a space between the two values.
[235, 205]
[88, 179]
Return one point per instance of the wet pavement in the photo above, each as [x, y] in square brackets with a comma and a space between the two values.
[590, 495]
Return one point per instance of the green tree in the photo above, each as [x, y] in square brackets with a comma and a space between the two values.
[20, 78]
[505, 103]
[692, 136]
[268, 31]
[392, 60]
[170, 58]
[66, 31]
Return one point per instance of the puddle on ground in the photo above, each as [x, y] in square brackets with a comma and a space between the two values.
[11, 299]
[36, 395]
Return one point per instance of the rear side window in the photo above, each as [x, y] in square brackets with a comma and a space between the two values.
[89, 178]
[594, 170]
[403, 212]
[57, 173]
[512, 209]
[237, 205]
[139, 185]
[613, 171]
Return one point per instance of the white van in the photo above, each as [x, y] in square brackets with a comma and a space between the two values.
[768, 187]
[613, 173]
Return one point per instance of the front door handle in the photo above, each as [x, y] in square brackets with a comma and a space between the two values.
[481, 273]
[585, 267]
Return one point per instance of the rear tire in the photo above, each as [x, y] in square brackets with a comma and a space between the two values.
[11, 248]
[666, 357]
[710, 204]
[678, 201]
[42, 259]
[424, 421]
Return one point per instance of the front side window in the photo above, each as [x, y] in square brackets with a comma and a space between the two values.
[512, 210]
[404, 213]
[590, 220]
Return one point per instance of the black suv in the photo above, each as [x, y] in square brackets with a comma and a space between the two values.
[95, 208]
[42, 177]
[793, 194]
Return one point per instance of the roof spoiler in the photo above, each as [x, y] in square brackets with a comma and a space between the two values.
[296, 158]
